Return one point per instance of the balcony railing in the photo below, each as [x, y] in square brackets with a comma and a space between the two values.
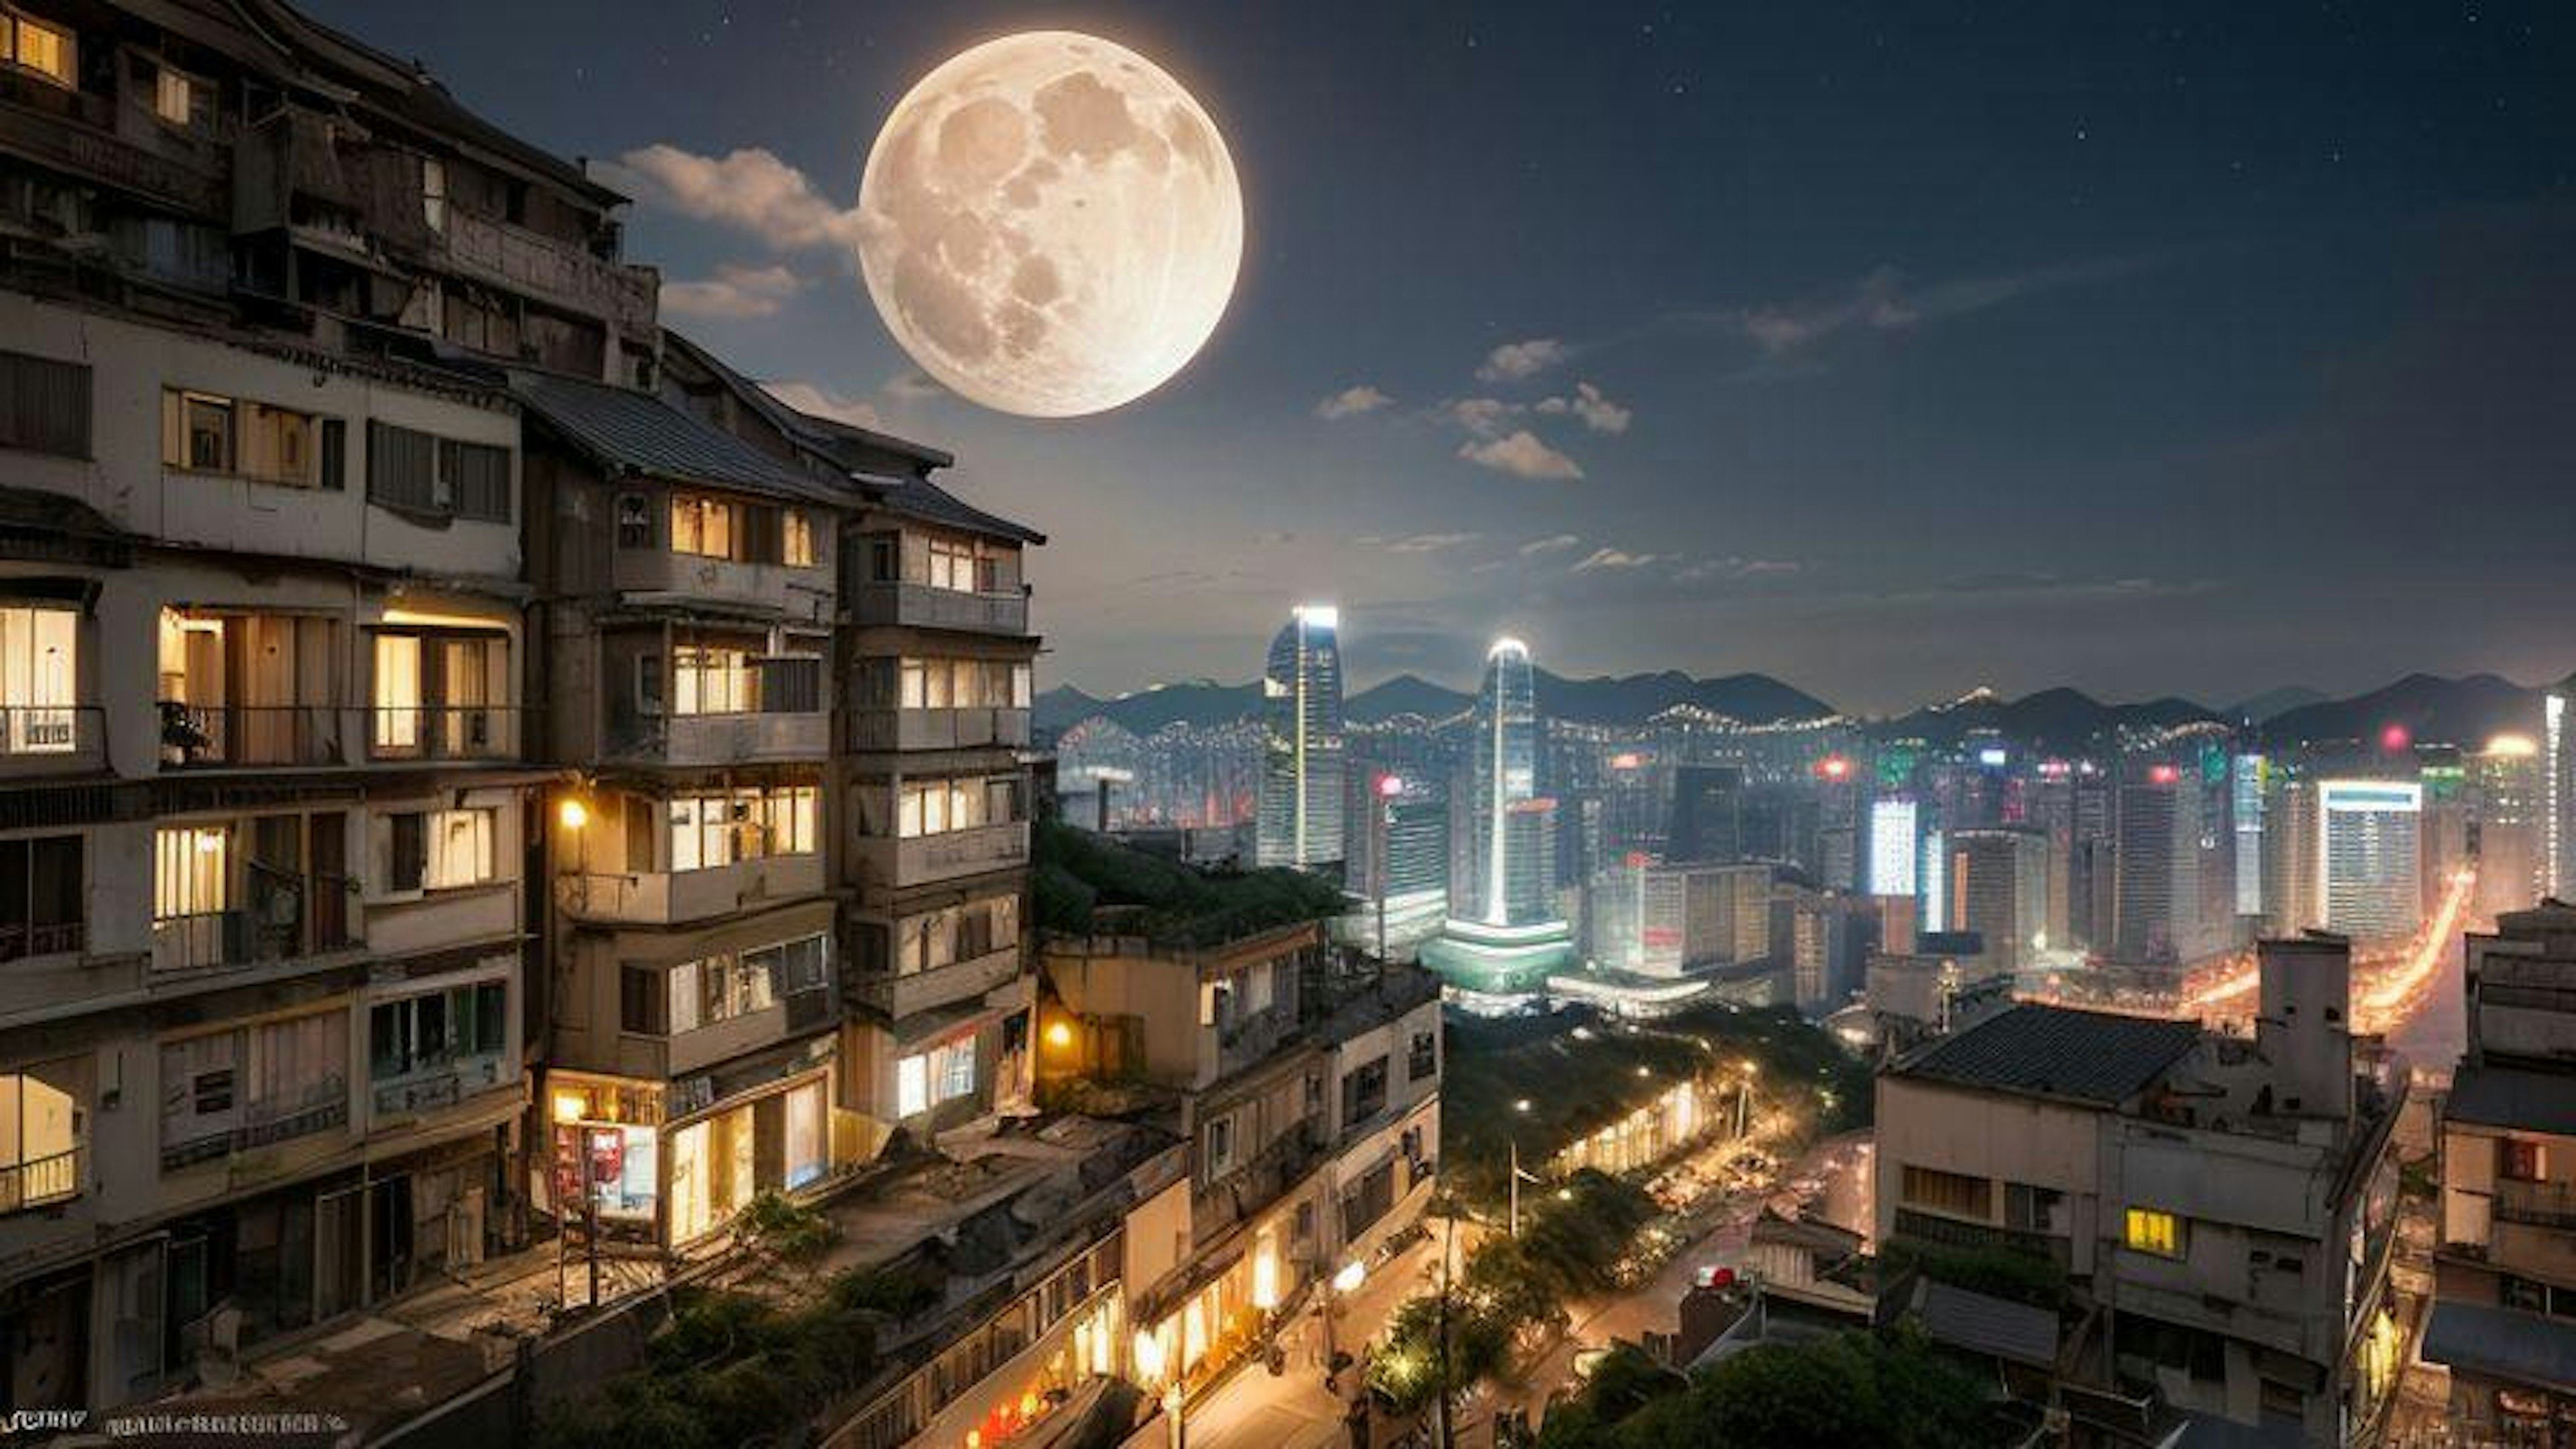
[443, 732]
[291, 918]
[926, 607]
[898, 996]
[2536, 1204]
[50, 737]
[21, 939]
[429, 1088]
[722, 739]
[668, 897]
[319, 1108]
[938, 729]
[41, 1181]
[922, 859]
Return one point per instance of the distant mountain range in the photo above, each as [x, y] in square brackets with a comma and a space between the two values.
[2464, 711]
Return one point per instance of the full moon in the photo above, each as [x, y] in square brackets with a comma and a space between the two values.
[1050, 224]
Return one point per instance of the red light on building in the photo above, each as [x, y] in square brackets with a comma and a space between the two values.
[2162, 774]
[1390, 786]
[1627, 760]
[1639, 860]
[2053, 769]
[1833, 767]
[2395, 738]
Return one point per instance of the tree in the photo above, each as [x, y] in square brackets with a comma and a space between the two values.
[1888, 1390]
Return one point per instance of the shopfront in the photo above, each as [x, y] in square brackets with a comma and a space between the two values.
[650, 1178]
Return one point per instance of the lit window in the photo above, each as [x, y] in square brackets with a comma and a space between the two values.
[702, 526]
[798, 544]
[182, 99]
[189, 876]
[2150, 1231]
[911, 1086]
[433, 193]
[40, 47]
[39, 654]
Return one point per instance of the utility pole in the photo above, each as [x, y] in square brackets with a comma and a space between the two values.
[1440, 1406]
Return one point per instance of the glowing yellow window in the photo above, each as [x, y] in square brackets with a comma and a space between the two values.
[2154, 1232]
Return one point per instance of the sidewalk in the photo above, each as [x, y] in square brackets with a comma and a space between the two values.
[1293, 1410]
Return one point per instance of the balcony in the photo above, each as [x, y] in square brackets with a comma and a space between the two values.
[320, 1108]
[280, 926]
[52, 739]
[897, 997]
[676, 897]
[939, 729]
[443, 732]
[429, 1089]
[688, 576]
[2536, 1204]
[722, 739]
[22, 939]
[41, 1181]
[77, 132]
[922, 606]
[558, 271]
[232, 736]
[925, 859]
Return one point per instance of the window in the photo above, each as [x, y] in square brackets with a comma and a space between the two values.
[1948, 1192]
[634, 521]
[702, 526]
[433, 193]
[190, 875]
[433, 1032]
[643, 1000]
[42, 1127]
[277, 1079]
[182, 99]
[719, 988]
[1364, 1092]
[941, 1074]
[398, 692]
[2031, 1209]
[952, 566]
[795, 965]
[797, 544]
[2150, 1231]
[439, 850]
[911, 1086]
[2520, 1160]
[43, 905]
[960, 933]
[418, 472]
[962, 684]
[1220, 1147]
[935, 807]
[1422, 1056]
[206, 433]
[712, 679]
[44, 404]
[38, 46]
[719, 829]
[39, 679]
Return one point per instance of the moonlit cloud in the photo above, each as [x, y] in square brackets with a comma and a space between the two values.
[1598, 413]
[1611, 558]
[913, 387]
[822, 402]
[1483, 416]
[1522, 455]
[1554, 543]
[1350, 402]
[1429, 542]
[1884, 301]
[1735, 568]
[1514, 361]
[750, 190]
[734, 291]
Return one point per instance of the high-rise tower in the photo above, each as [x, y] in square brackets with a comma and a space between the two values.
[1301, 776]
[1505, 934]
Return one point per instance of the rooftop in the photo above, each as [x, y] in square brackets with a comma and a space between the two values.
[635, 432]
[2493, 1096]
[2053, 1051]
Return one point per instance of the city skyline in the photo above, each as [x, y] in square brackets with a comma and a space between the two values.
[2142, 376]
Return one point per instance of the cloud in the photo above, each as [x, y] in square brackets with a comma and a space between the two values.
[734, 291]
[822, 402]
[1514, 361]
[1553, 543]
[750, 190]
[1522, 455]
[1483, 416]
[1429, 542]
[1599, 413]
[913, 387]
[1883, 301]
[1350, 402]
[1611, 558]
[1735, 568]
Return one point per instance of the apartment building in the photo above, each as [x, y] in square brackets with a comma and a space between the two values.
[2221, 1211]
[2504, 1315]
[1307, 1089]
[264, 784]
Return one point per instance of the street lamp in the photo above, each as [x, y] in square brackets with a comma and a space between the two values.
[1345, 1281]
[1150, 1366]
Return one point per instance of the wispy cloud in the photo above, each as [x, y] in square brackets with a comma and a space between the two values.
[1426, 542]
[822, 402]
[1611, 558]
[1522, 455]
[1350, 402]
[734, 291]
[750, 190]
[1485, 417]
[913, 387]
[1885, 301]
[1514, 361]
[1598, 413]
[1707, 569]
[1553, 543]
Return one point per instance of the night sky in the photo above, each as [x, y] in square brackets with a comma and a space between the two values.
[1891, 350]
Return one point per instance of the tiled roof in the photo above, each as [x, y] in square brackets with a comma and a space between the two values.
[638, 432]
[2493, 1096]
[1995, 1327]
[2050, 1051]
[2495, 1342]
[920, 498]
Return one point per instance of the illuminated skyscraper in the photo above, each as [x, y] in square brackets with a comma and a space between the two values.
[2158, 864]
[2504, 806]
[1893, 848]
[2558, 790]
[1301, 762]
[1998, 885]
[1505, 934]
[2369, 856]
[2246, 782]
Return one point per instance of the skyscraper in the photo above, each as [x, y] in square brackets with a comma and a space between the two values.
[1301, 761]
[2504, 806]
[2558, 791]
[1505, 933]
[2158, 865]
[1999, 890]
[1708, 813]
[1893, 847]
[2368, 855]
[2247, 776]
